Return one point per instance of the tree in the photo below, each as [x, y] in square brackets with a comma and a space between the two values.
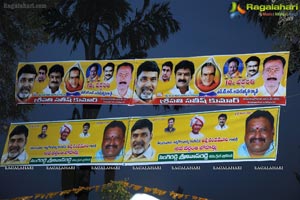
[108, 29]
[284, 29]
[18, 36]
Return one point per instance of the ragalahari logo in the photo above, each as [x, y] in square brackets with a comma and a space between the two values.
[236, 10]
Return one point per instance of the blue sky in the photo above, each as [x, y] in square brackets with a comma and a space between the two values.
[206, 29]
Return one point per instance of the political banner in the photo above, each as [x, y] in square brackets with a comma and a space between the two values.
[215, 136]
[239, 79]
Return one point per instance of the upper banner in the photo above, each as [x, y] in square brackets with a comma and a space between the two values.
[238, 79]
[216, 136]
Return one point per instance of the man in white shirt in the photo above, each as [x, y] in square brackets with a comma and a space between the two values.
[141, 136]
[146, 82]
[222, 118]
[197, 123]
[64, 131]
[16, 146]
[55, 74]
[85, 130]
[273, 71]
[123, 78]
[184, 72]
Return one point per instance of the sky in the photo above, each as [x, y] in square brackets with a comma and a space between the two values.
[206, 29]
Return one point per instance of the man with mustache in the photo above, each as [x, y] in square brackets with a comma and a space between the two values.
[184, 72]
[108, 69]
[233, 66]
[146, 82]
[16, 146]
[141, 136]
[55, 74]
[222, 118]
[113, 142]
[123, 78]
[93, 73]
[252, 66]
[259, 135]
[273, 71]
[25, 82]
[85, 130]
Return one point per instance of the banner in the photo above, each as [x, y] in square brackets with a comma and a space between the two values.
[216, 136]
[239, 79]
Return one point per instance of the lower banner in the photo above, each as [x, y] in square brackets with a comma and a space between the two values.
[215, 136]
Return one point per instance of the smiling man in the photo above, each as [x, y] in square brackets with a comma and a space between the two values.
[65, 131]
[141, 136]
[146, 82]
[197, 123]
[16, 146]
[184, 71]
[25, 82]
[113, 142]
[259, 135]
[273, 71]
[208, 80]
[55, 74]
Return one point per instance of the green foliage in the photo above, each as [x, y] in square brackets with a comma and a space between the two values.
[108, 29]
[284, 29]
[20, 31]
[115, 190]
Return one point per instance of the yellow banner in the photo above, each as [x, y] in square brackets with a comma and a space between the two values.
[239, 79]
[216, 136]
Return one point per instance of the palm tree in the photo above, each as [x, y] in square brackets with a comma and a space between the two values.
[284, 29]
[108, 29]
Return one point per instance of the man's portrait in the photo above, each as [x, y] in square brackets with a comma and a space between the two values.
[55, 74]
[74, 80]
[259, 135]
[166, 71]
[273, 71]
[233, 68]
[93, 73]
[43, 133]
[252, 67]
[222, 118]
[123, 79]
[146, 81]
[141, 136]
[65, 131]
[207, 81]
[184, 72]
[112, 142]
[85, 130]
[197, 122]
[170, 128]
[108, 71]
[16, 146]
[42, 73]
[25, 82]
